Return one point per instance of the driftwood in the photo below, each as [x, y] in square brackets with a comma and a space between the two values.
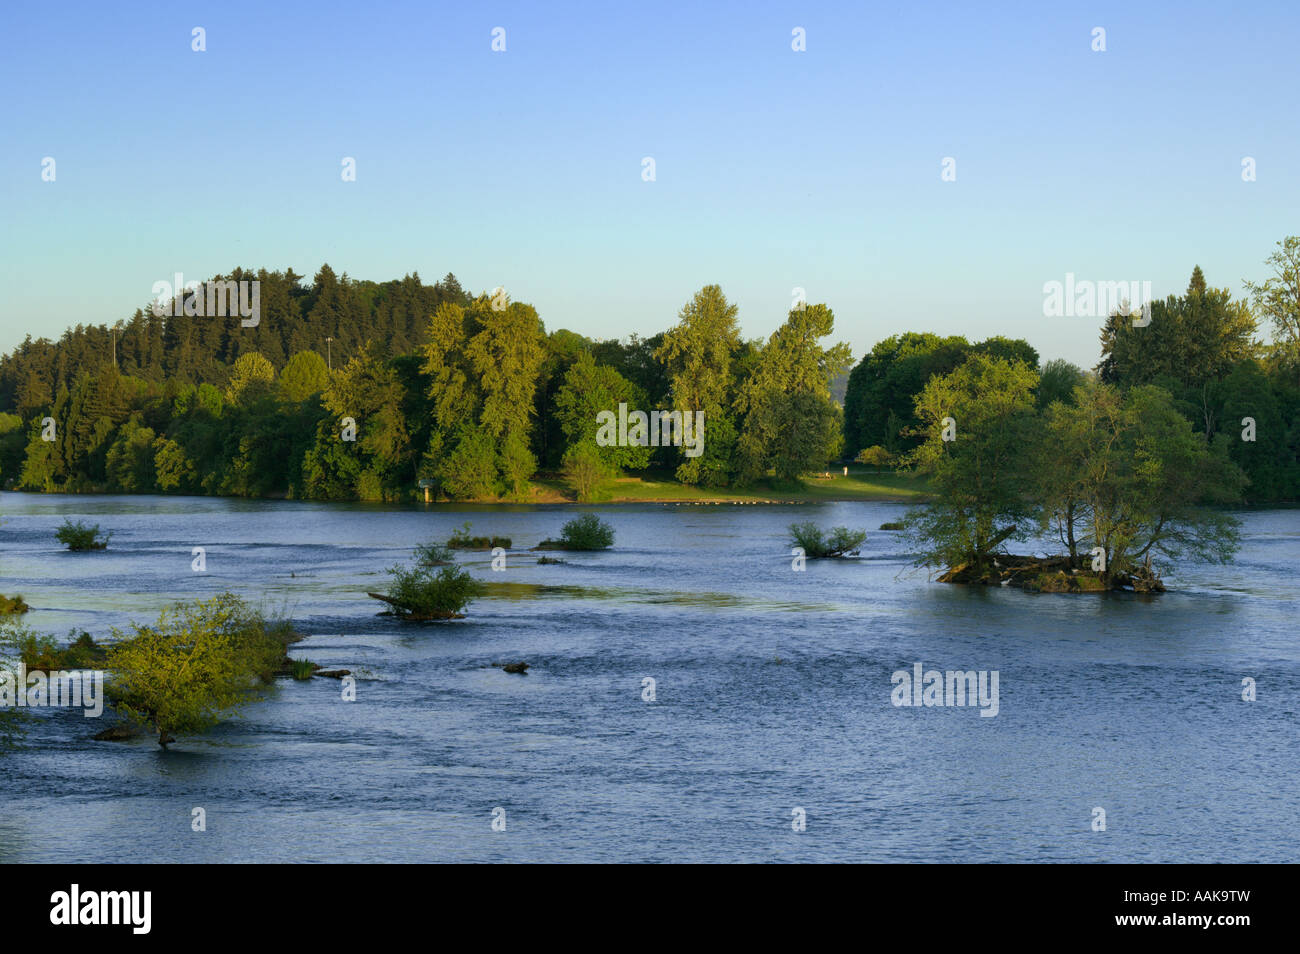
[404, 610]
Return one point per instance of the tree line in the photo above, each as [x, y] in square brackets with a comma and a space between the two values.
[472, 399]
[1201, 349]
[361, 390]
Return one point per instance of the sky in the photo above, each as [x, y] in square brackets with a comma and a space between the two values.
[774, 169]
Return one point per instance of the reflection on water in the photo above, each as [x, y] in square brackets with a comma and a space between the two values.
[772, 691]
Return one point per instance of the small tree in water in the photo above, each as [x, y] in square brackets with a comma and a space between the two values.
[423, 593]
[197, 665]
[585, 532]
[81, 536]
[817, 545]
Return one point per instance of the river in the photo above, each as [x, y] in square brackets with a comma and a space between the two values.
[772, 694]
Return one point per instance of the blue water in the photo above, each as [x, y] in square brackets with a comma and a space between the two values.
[772, 693]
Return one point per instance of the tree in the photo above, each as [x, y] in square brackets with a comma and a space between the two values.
[482, 363]
[586, 470]
[470, 471]
[362, 444]
[697, 356]
[304, 376]
[251, 378]
[1278, 297]
[1057, 382]
[790, 424]
[978, 426]
[130, 459]
[1190, 340]
[588, 389]
[193, 667]
[880, 401]
[1139, 477]
[174, 470]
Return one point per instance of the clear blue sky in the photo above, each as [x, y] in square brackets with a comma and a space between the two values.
[775, 169]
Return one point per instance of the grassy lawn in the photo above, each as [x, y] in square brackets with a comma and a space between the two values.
[861, 484]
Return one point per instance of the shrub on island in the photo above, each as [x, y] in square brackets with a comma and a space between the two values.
[461, 540]
[199, 663]
[422, 594]
[817, 545]
[585, 532]
[81, 536]
[13, 605]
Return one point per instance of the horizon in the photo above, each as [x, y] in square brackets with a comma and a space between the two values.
[773, 171]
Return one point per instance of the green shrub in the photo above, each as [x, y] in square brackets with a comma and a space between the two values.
[42, 653]
[200, 662]
[461, 540]
[892, 525]
[80, 536]
[585, 532]
[13, 605]
[302, 668]
[586, 471]
[433, 554]
[422, 593]
[816, 545]
[876, 456]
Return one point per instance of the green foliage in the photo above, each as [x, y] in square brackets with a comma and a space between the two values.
[817, 544]
[584, 532]
[81, 536]
[1126, 473]
[1190, 340]
[130, 460]
[173, 470]
[302, 669]
[423, 593]
[697, 355]
[434, 553]
[587, 471]
[462, 540]
[790, 424]
[201, 662]
[876, 456]
[482, 362]
[1057, 383]
[469, 472]
[303, 377]
[13, 445]
[251, 378]
[1278, 299]
[473, 394]
[588, 389]
[43, 653]
[981, 483]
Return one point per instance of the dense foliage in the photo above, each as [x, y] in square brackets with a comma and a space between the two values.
[362, 390]
[817, 544]
[80, 535]
[199, 663]
[357, 390]
[584, 532]
[421, 592]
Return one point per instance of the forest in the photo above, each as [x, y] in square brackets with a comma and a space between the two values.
[357, 390]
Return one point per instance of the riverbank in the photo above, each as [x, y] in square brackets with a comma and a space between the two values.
[858, 485]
